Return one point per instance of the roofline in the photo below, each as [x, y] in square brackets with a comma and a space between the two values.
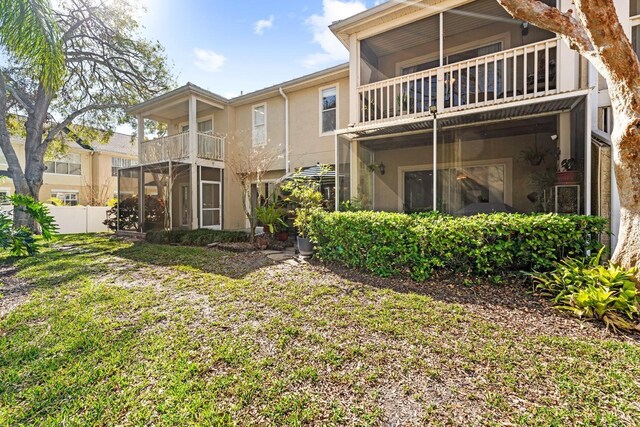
[187, 88]
[369, 13]
[290, 84]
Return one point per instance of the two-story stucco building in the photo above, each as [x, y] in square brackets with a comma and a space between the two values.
[444, 104]
[84, 175]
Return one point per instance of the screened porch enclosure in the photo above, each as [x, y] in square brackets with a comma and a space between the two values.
[468, 56]
[160, 197]
[468, 168]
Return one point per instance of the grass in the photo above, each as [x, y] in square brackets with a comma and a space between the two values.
[114, 333]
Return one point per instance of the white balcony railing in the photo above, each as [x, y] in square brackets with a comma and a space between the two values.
[210, 147]
[176, 147]
[520, 73]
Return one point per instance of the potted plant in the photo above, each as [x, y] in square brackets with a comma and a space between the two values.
[534, 156]
[569, 172]
[270, 217]
[305, 195]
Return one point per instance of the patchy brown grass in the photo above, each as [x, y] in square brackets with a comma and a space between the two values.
[115, 333]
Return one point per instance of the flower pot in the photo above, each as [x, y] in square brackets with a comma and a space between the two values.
[305, 247]
[568, 177]
[265, 228]
[283, 236]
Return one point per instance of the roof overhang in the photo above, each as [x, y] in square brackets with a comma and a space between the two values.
[527, 108]
[390, 14]
[318, 78]
[174, 104]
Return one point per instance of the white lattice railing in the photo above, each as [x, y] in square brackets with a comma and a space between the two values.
[520, 73]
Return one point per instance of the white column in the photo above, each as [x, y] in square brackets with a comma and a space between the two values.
[193, 156]
[567, 59]
[140, 131]
[435, 164]
[354, 168]
[587, 157]
[337, 180]
[564, 136]
[354, 79]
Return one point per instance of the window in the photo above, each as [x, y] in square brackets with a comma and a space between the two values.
[69, 198]
[204, 126]
[329, 107]
[4, 193]
[634, 7]
[67, 165]
[259, 124]
[120, 163]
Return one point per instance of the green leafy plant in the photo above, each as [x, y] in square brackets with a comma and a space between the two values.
[587, 289]
[126, 213]
[354, 204]
[271, 216]
[389, 244]
[20, 241]
[201, 237]
[304, 194]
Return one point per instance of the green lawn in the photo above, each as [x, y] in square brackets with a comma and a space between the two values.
[99, 332]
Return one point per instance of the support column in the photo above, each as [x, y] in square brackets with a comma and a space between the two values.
[435, 163]
[354, 79]
[140, 131]
[587, 157]
[354, 166]
[564, 137]
[337, 172]
[193, 157]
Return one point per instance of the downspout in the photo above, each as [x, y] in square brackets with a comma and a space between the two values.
[286, 130]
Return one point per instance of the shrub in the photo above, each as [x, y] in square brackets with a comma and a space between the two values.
[201, 237]
[415, 245]
[20, 241]
[128, 215]
[587, 289]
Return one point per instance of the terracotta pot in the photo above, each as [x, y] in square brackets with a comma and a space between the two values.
[283, 236]
[568, 177]
[265, 228]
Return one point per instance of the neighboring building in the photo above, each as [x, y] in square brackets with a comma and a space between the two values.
[449, 105]
[86, 175]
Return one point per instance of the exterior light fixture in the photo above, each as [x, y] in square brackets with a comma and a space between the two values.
[524, 28]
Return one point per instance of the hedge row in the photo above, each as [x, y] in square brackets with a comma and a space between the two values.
[201, 237]
[389, 244]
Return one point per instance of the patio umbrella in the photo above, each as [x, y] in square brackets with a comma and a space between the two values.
[317, 173]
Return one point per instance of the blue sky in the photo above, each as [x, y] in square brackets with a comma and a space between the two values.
[272, 41]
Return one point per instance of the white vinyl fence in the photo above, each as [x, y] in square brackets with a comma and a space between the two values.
[76, 219]
[80, 219]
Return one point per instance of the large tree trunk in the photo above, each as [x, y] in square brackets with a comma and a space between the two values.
[594, 30]
[626, 139]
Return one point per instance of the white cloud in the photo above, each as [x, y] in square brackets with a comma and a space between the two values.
[208, 60]
[332, 49]
[262, 25]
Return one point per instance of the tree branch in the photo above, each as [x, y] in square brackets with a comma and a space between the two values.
[71, 117]
[551, 19]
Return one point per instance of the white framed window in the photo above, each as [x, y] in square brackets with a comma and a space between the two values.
[259, 122]
[328, 109]
[118, 163]
[4, 193]
[204, 125]
[66, 165]
[69, 198]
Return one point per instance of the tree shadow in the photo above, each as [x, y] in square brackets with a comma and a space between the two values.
[511, 302]
[233, 265]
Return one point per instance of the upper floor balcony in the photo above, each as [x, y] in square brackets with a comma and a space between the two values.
[508, 75]
[176, 148]
[415, 58]
[189, 115]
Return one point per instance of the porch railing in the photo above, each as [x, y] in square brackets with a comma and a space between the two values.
[176, 147]
[520, 73]
[210, 147]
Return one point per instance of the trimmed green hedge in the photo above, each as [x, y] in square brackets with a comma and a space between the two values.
[389, 244]
[201, 237]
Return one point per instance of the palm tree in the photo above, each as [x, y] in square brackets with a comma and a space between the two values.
[29, 32]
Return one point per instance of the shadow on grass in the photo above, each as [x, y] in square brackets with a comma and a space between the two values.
[513, 293]
[228, 264]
